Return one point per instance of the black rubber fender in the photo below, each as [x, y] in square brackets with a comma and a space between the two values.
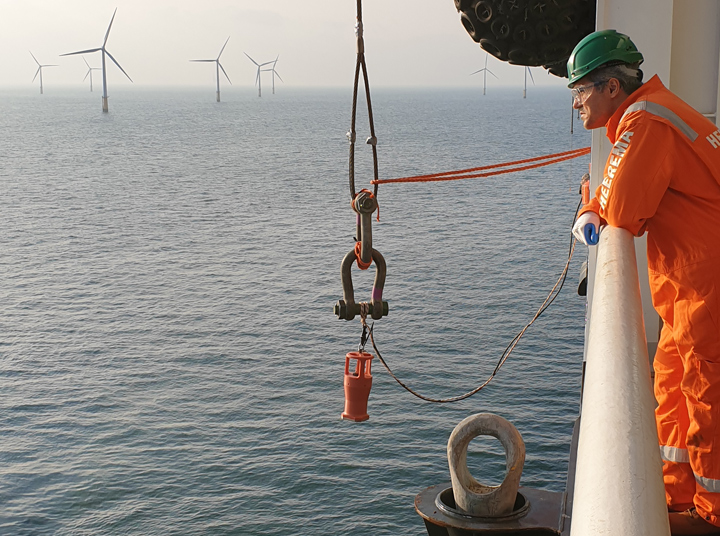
[483, 11]
[528, 32]
[523, 34]
[500, 28]
[472, 27]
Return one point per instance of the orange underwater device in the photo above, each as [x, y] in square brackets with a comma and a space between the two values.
[357, 386]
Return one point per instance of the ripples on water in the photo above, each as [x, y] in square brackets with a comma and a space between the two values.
[170, 360]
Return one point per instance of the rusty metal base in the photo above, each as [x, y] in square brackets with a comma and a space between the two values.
[537, 513]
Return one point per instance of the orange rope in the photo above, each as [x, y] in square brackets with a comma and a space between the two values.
[463, 173]
[362, 265]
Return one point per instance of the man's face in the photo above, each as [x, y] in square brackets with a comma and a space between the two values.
[594, 102]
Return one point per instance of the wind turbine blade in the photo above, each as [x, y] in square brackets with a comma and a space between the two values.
[257, 78]
[110, 26]
[276, 73]
[88, 74]
[531, 76]
[204, 60]
[275, 62]
[223, 70]
[33, 55]
[223, 48]
[492, 73]
[252, 60]
[86, 63]
[476, 72]
[36, 73]
[51, 66]
[82, 52]
[264, 64]
[116, 63]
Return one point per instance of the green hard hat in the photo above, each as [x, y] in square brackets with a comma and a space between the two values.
[599, 48]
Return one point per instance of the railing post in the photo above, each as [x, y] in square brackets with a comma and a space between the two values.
[618, 482]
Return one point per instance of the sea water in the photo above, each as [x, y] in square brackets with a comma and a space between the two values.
[169, 360]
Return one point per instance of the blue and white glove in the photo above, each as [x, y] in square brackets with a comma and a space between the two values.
[587, 228]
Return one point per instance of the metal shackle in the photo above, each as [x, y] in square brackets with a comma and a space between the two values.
[347, 308]
[470, 495]
[364, 205]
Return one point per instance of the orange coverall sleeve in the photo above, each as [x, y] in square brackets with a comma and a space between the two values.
[636, 175]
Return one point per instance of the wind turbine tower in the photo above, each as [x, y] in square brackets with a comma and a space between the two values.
[104, 67]
[39, 71]
[218, 67]
[527, 70]
[274, 72]
[259, 68]
[89, 73]
[485, 71]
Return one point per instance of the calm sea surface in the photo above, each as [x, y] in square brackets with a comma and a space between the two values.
[169, 360]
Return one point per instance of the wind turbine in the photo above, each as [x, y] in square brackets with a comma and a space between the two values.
[39, 71]
[259, 66]
[104, 67]
[485, 71]
[218, 67]
[527, 70]
[89, 73]
[274, 72]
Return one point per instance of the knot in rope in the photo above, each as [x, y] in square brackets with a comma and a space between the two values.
[364, 310]
[362, 265]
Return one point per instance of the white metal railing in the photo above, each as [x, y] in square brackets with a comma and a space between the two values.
[618, 481]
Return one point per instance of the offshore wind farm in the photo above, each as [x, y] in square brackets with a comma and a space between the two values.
[258, 78]
[218, 68]
[527, 72]
[39, 71]
[104, 52]
[485, 72]
[89, 73]
[153, 44]
[274, 73]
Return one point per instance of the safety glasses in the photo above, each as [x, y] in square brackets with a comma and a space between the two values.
[581, 94]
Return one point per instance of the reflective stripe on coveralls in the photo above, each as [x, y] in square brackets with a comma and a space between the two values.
[665, 113]
[674, 454]
[709, 484]
[663, 177]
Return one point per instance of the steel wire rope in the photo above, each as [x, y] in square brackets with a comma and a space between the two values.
[372, 141]
[552, 295]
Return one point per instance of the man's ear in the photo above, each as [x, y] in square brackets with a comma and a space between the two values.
[614, 87]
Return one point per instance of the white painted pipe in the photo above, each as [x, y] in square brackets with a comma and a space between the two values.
[618, 482]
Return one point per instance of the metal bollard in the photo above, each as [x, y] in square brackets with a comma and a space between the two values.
[465, 507]
[470, 495]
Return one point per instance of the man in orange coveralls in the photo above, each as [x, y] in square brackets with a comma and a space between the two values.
[663, 177]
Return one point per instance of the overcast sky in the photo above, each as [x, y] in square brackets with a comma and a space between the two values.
[408, 43]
